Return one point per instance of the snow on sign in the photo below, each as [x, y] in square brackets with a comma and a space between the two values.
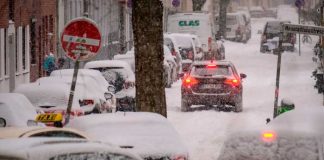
[81, 39]
[304, 29]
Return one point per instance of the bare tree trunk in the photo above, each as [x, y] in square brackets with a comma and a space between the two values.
[148, 38]
[222, 16]
[197, 4]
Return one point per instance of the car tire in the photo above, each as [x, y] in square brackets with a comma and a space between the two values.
[238, 105]
[185, 107]
[262, 50]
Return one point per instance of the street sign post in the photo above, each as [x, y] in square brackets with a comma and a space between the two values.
[81, 41]
[305, 29]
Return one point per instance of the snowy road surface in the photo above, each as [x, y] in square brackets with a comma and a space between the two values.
[204, 131]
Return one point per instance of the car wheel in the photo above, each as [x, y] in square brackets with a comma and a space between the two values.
[262, 50]
[185, 107]
[238, 106]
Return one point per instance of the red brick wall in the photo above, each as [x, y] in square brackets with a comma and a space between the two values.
[41, 11]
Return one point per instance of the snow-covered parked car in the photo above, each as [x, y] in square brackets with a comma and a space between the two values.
[189, 47]
[148, 134]
[24, 132]
[52, 98]
[294, 135]
[16, 111]
[119, 74]
[61, 148]
[103, 86]
[271, 33]
[170, 67]
[169, 64]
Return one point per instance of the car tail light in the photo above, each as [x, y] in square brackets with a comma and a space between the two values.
[86, 102]
[129, 85]
[189, 81]
[238, 30]
[179, 158]
[232, 82]
[211, 66]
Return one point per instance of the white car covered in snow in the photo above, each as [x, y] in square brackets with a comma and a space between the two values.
[52, 98]
[119, 74]
[61, 148]
[294, 135]
[16, 111]
[108, 90]
[148, 134]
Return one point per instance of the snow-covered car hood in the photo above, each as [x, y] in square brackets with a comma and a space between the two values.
[148, 134]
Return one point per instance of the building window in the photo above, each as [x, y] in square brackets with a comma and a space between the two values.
[33, 42]
[6, 52]
[11, 9]
[24, 48]
[51, 31]
[16, 54]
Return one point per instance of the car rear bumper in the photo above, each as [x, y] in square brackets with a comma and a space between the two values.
[210, 99]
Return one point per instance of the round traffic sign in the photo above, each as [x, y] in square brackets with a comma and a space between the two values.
[81, 39]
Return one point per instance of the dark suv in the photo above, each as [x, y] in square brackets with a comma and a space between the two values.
[272, 30]
[212, 83]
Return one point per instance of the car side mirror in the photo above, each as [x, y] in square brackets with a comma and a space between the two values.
[242, 75]
[3, 122]
[108, 96]
[111, 89]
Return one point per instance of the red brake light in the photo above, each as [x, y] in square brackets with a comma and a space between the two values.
[232, 82]
[189, 81]
[128, 85]
[86, 102]
[211, 66]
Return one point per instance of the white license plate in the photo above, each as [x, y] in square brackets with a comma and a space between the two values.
[210, 86]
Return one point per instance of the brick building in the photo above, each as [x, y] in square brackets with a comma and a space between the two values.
[34, 28]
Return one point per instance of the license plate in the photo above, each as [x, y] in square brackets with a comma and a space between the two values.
[49, 117]
[210, 86]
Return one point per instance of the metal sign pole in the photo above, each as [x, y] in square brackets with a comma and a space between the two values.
[74, 79]
[299, 33]
[275, 111]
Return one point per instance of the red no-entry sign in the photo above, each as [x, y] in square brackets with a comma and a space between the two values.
[81, 39]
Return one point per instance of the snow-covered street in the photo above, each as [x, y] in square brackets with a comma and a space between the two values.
[204, 131]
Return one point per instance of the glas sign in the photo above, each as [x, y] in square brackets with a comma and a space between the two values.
[189, 23]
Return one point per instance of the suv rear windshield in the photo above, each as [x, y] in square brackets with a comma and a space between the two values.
[204, 70]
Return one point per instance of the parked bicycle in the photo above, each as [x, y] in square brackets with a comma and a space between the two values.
[306, 39]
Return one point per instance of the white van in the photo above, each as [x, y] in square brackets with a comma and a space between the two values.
[236, 27]
[197, 23]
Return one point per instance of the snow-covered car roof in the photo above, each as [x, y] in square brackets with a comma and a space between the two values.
[49, 94]
[127, 57]
[16, 109]
[148, 134]
[21, 132]
[81, 73]
[85, 86]
[60, 148]
[296, 134]
[221, 62]
[112, 63]
[183, 40]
